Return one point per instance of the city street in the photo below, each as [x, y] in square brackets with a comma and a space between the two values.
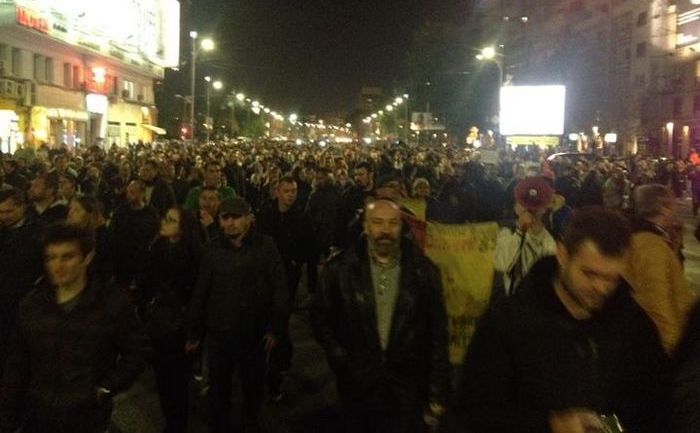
[309, 392]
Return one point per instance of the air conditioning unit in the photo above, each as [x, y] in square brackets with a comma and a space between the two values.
[139, 98]
[125, 94]
[8, 89]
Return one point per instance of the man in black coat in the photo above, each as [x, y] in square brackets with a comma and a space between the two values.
[135, 226]
[288, 226]
[570, 345]
[159, 193]
[240, 301]
[380, 316]
[21, 258]
[77, 345]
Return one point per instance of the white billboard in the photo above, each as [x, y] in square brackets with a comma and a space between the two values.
[141, 33]
[532, 110]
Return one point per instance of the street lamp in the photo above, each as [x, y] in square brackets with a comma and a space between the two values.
[217, 85]
[240, 97]
[207, 45]
[489, 54]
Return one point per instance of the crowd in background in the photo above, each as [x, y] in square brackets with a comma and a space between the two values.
[152, 208]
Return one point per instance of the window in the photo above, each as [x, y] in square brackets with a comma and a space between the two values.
[39, 67]
[128, 89]
[641, 49]
[67, 75]
[627, 53]
[642, 19]
[696, 104]
[115, 86]
[49, 70]
[17, 58]
[77, 78]
[677, 107]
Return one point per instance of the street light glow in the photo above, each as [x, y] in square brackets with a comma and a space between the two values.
[389, 107]
[255, 104]
[193, 35]
[488, 53]
[240, 97]
[207, 79]
[217, 85]
[293, 118]
[399, 100]
[207, 44]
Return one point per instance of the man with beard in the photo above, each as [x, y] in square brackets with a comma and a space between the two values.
[43, 193]
[209, 205]
[240, 301]
[380, 316]
[570, 345]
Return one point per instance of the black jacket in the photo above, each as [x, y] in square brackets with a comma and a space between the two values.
[59, 359]
[323, 210]
[291, 232]
[21, 265]
[134, 230]
[686, 385]
[529, 357]
[345, 323]
[240, 290]
[169, 282]
[162, 196]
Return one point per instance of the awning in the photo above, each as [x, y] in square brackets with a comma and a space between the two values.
[157, 130]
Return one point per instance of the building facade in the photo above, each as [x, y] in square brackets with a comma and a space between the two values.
[630, 66]
[80, 72]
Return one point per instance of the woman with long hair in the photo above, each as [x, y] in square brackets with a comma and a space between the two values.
[173, 265]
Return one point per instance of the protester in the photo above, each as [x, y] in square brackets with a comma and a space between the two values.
[570, 345]
[173, 262]
[381, 319]
[291, 231]
[519, 248]
[85, 212]
[655, 270]
[212, 179]
[43, 194]
[78, 344]
[240, 300]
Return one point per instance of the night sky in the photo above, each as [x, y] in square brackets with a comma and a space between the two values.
[310, 56]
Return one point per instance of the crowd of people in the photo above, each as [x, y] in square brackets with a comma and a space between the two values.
[172, 254]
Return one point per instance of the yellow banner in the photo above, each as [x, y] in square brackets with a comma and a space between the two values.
[464, 254]
[418, 207]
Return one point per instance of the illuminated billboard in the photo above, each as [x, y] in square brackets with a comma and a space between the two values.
[141, 33]
[688, 23]
[532, 110]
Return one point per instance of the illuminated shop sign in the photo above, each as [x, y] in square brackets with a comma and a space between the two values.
[688, 22]
[28, 18]
[141, 33]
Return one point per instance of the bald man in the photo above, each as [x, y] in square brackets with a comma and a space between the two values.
[380, 316]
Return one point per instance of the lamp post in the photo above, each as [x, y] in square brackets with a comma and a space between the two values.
[217, 85]
[489, 54]
[207, 45]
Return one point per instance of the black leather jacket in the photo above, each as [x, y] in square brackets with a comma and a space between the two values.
[345, 324]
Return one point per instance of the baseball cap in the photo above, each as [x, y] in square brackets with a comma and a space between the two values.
[235, 206]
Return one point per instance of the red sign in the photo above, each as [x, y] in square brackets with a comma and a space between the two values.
[28, 18]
